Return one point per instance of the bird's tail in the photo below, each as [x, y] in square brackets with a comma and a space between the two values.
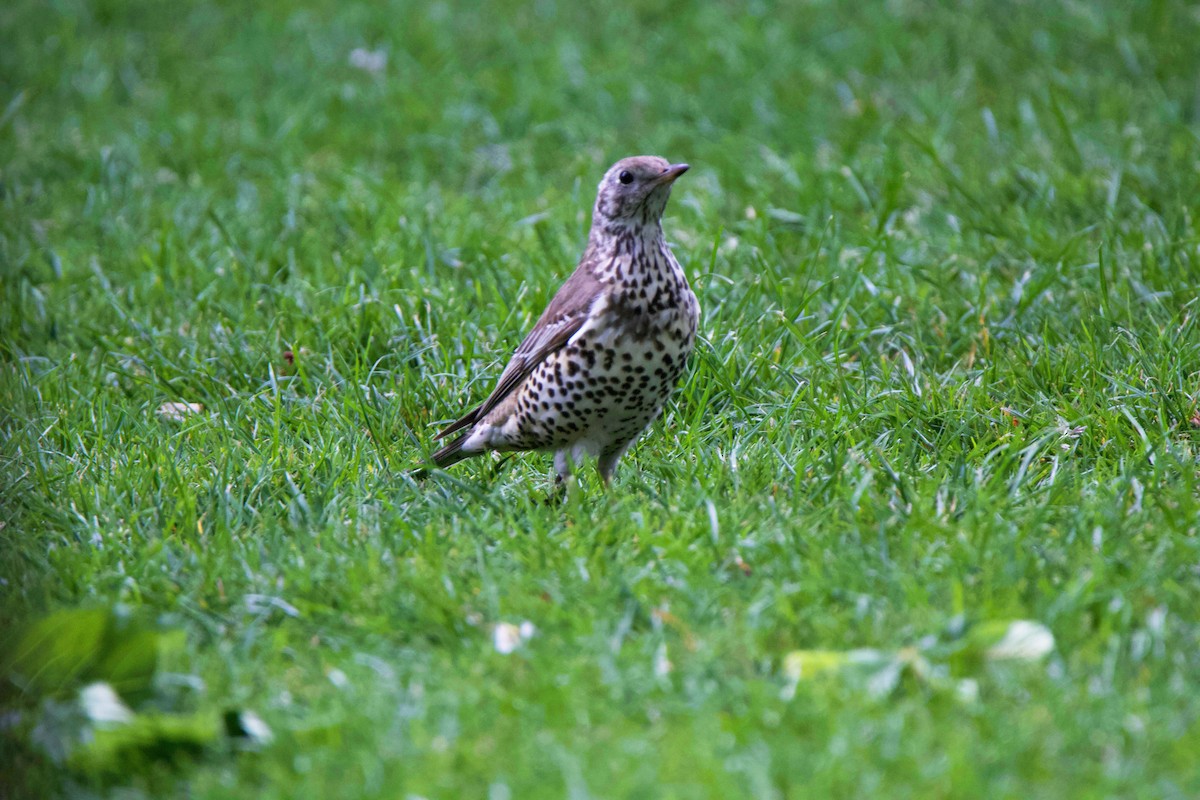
[452, 453]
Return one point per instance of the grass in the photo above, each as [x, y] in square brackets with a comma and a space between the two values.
[949, 374]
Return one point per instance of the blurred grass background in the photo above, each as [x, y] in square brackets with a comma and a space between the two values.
[949, 370]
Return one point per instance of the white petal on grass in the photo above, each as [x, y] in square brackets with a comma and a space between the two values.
[714, 524]
[1023, 641]
[373, 61]
[967, 690]
[254, 727]
[785, 216]
[662, 663]
[885, 681]
[176, 412]
[103, 706]
[260, 603]
[507, 637]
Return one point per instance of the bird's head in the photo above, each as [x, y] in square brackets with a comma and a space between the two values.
[634, 191]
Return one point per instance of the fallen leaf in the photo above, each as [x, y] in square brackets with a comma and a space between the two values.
[806, 665]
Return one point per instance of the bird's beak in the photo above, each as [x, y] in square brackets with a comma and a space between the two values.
[671, 173]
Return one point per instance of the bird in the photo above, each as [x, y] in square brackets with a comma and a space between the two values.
[607, 352]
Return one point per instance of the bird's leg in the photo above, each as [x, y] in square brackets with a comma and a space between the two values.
[562, 473]
[562, 467]
[607, 463]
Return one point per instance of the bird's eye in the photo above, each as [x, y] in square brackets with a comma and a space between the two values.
[625, 177]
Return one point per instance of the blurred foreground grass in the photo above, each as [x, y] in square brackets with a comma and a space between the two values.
[949, 376]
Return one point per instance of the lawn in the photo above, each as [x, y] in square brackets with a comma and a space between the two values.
[946, 389]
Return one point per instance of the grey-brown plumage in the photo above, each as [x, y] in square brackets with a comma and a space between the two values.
[604, 357]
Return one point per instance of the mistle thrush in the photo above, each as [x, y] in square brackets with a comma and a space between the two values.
[604, 357]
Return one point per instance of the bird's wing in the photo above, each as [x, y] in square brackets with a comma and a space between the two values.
[561, 320]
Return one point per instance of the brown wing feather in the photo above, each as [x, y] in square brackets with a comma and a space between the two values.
[561, 320]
